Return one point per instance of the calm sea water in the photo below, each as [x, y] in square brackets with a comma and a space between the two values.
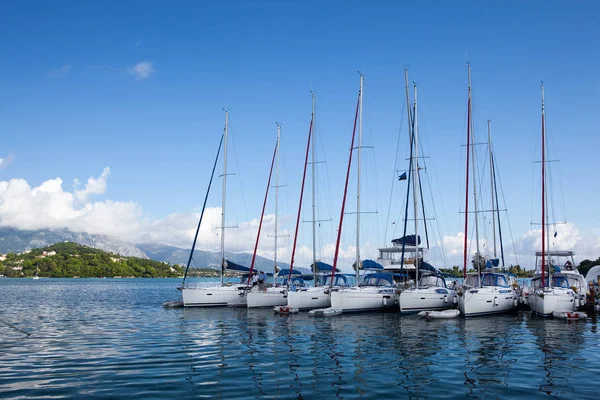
[110, 338]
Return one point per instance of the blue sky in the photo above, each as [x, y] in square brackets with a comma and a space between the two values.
[71, 104]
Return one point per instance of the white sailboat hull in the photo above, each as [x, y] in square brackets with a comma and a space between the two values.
[416, 300]
[356, 299]
[215, 296]
[270, 298]
[487, 300]
[553, 299]
[309, 298]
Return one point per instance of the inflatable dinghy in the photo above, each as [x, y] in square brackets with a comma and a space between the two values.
[285, 309]
[570, 315]
[324, 312]
[440, 314]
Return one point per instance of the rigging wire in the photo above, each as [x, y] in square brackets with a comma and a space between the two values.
[372, 162]
[394, 175]
[240, 181]
[497, 170]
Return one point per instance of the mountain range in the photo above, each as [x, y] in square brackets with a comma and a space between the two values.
[16, 241]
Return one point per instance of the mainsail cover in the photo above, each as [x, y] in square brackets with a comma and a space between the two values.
[408, 240]
[322, 267]
[286, 271]
[370, 264]
[231, 266]
[426, 266]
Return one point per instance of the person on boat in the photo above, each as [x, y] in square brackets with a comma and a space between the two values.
[261, 281]
[254, 279]
[568, 266]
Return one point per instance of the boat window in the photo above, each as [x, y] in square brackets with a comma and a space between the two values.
[339, 280]
[574, 282]
[472, 280]
[560, 281]
[557, 281]
[501, 281]
[377, 280]
[432, 281]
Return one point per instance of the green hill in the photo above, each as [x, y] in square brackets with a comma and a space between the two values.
[67, 260]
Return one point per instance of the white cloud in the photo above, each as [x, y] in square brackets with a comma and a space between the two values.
[5, 162]
[142, 70]
[453, 246]
[568, 237]
[49, 206]
[60, 72]
[522, 251]
[93, 185]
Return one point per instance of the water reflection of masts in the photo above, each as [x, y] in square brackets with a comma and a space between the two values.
[329, 345]
[217, 334]
[559, 341]
[294, 362]
[252, 352]
[416, 353]
[487, 345]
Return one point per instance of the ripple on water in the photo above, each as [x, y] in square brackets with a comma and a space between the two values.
[111, 338]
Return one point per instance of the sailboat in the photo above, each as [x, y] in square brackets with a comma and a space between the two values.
[273, 295]
[552, 292]
[489, 291]
[305, 297]
[377, 290]
[221, 294]
[430, 292]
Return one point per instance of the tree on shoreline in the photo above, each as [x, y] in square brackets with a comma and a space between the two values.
[66, 260]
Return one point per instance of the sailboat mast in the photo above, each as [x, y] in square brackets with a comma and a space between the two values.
[410, 168]
[300, 205]
[548, 244]
[465, 255]
[313, 167]
[492, 185]
[474, 174]
[262, 214]
[212, 175]
[544, 191]
[415, 187]
[277, 191]
[339, 232]
[360, 126]
[225, 136]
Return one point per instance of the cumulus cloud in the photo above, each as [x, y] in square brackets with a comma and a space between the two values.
[562, 237]
[142, 70]
[93, 185]
[50, 206]
[60, 72]
[453, 247]
[568, 237]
